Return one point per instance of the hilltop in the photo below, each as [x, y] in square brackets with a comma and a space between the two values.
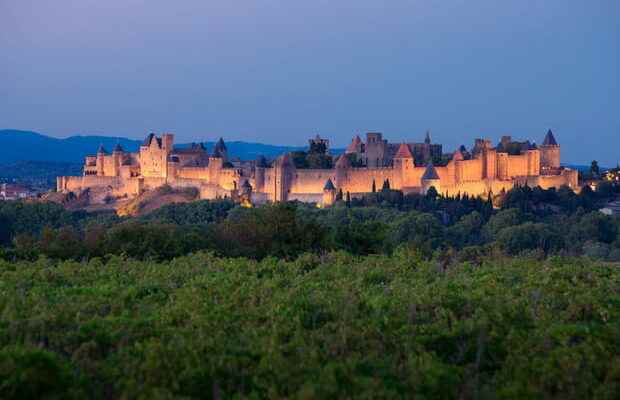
[17, 145]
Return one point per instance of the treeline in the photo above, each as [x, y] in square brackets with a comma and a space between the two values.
[545, 222]
[320, 326]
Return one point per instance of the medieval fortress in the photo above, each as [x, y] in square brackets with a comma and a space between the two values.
[364, 166]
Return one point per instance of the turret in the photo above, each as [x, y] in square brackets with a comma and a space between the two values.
[329, 193]
[220, 150]
[355, 146]
[430, 179]
[216, 163]
[101, 153]
[533, 161]
[283, 171]
[403, 157]
[403, 164]
[549, 153]
[150, 138]
[167, 140]
[259, 173]
[117, 157]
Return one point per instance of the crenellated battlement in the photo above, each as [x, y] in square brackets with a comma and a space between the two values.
[410, 167]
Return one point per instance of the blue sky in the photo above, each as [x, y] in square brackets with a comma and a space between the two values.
[281, 71]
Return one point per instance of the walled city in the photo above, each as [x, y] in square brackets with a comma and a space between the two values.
[365, 166]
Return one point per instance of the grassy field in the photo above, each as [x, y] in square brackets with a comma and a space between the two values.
[330, 326]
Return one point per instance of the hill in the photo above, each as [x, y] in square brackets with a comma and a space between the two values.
[16, 145]
[37, 174]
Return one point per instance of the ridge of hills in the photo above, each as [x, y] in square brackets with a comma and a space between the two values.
[17, 145]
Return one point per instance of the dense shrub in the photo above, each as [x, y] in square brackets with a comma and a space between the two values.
[529, 236]
[195, 213]
[271, 230]
[330, 326]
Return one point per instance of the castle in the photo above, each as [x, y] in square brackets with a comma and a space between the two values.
[363, 167]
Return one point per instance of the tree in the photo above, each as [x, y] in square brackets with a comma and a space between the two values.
[432, 193]
[466, 231]
[421, 230]
[503, 219]
[386, 185]
[300, 159]
[594, 169]
[5, 230]
[594, 226]
[374, 186]
[318, 147]
[33, 373]
[529, 236]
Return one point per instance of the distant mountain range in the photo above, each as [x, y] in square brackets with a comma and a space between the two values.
[16, 145]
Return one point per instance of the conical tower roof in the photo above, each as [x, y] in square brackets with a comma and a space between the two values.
[430, 173]
[101, 149]
[329, 185]
[549, 139]
[220, 145]
[148, 139]
[403, 151]
[352, 148]
[118, 148]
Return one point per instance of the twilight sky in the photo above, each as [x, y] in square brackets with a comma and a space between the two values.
[279, 71]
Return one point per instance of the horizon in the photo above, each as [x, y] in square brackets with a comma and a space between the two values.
[214, 139]
[276, 72]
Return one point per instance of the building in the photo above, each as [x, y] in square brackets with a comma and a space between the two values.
[10, 191]
[612, 208]
[409, 167]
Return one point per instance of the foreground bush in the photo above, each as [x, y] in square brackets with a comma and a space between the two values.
[335, 326]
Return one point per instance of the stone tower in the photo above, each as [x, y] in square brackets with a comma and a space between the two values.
[101, 160]
[549, 153]
[167, 140]
[430, 179]
[403, 165]
[117, 157]
[376, 149]
[355, 147]
[220, 150]
[329, 193]
[283, 171]
[259, 173]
